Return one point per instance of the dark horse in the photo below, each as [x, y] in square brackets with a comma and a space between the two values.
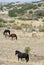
[13, 35]
[6, 31]
[22, 55]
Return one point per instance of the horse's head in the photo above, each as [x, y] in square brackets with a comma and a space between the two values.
[16, 52]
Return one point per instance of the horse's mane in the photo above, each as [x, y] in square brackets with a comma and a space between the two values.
[18, 51]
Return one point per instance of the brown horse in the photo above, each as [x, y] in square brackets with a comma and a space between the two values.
[13, 36]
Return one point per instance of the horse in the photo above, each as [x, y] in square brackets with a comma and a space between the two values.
[6, 32]
[13, 35]
[34, 34]
[22, 55]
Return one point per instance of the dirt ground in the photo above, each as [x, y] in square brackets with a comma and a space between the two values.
[8, 47]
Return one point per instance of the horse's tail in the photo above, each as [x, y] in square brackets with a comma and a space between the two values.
[16, 37]
[27, 58]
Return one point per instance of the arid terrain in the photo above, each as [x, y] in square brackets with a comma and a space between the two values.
[26, 20]
[8, 47]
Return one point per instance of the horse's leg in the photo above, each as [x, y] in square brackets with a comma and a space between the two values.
[26, 59]
[18, 58]
[12, 38]
[21, 59]
[5, 35]
[16, 37]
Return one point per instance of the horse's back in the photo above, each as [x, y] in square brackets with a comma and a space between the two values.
[5, 31]
[13, 35]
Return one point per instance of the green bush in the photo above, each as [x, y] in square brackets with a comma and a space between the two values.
[38, 13]
[35, 6]
[30, 11]
[29, 6]
[39, 4]
[16, 12]
[1, 20]
[27, 49]
[12, 13]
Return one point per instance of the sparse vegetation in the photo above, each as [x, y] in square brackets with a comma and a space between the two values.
[41, 29]
[26, 25]
[15, 26]
[2, 25]
[27, 49]
[30, 11]
[43, 20]
[12, 13]
[39, 13]
[1, 20]
[21, 10]
[11, 21]
[39, 4]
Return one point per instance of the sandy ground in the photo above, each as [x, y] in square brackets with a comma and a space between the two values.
[8, 47]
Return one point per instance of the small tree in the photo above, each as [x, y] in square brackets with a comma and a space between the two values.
[39, 4]
[27, 49]
[30, 11]
[12, 13]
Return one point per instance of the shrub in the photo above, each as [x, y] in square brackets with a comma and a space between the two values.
[35, 6]
[28, 6]
[41, 29]
[1, 20]
[27, 49]
[26, 25]
[43, 20]
[21, 18]
[39, 4]
[16, 12]
[12, 13]
[2, 25]
[38, 13]
[15, 26]
[41, 17]
[12, 21]
[30, 11]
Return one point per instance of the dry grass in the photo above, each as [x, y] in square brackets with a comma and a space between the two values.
[8, 47]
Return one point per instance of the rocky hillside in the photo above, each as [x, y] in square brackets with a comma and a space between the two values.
[23, 10]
